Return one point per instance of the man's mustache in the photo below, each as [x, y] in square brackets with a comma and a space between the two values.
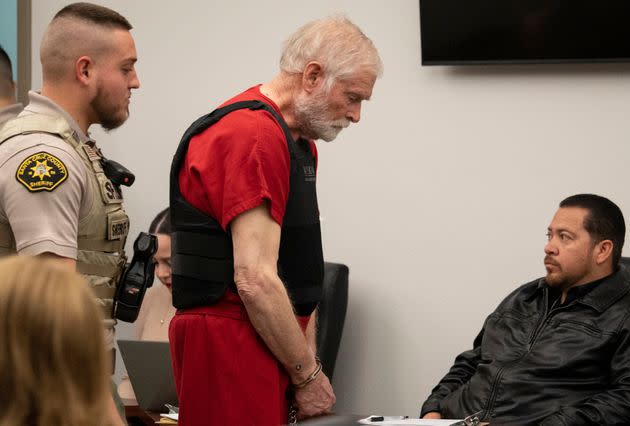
[550, 261]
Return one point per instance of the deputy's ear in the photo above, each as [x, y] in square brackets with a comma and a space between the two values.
[603, 251]
[313, 76]
[84, 69]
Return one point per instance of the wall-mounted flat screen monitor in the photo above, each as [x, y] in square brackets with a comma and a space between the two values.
[460, 32]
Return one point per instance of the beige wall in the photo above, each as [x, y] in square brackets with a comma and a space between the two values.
[438, 200]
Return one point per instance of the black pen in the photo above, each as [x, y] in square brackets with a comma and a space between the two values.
[383, 418]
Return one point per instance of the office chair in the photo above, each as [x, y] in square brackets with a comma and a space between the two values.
[332, 314]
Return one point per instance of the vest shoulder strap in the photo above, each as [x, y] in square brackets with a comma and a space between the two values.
[38, 123]
[205, 121]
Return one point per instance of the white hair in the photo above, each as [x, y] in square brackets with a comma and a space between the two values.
[337, 44]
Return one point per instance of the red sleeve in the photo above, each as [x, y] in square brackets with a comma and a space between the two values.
[235, 165]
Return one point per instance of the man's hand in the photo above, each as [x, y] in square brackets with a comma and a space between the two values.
[315, 399]
[432, 415]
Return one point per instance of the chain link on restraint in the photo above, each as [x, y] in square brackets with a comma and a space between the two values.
[292, 415]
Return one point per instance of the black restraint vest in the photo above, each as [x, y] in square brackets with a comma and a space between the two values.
[201, 251]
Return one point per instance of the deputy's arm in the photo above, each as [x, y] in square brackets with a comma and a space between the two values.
[256, 239]
[65, 261]
[44, 222]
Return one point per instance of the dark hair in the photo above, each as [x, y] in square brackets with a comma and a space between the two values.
[96, 14]
[604, 220]
[7, 90]
[162, 223]
[6, 71]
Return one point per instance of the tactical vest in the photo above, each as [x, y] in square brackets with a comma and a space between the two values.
[103, 232]
[202, 259]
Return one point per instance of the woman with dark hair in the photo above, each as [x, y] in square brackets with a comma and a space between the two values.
[157, 308]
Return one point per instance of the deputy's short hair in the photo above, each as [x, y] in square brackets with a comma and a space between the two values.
[96, 14]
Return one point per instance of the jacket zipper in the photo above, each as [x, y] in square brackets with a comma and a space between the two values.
[543, 320]
[554, 309]
[493, 394]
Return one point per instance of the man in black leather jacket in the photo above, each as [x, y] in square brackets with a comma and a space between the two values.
[557, 350]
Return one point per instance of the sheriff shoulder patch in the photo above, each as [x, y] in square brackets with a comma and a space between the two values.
[41, 172]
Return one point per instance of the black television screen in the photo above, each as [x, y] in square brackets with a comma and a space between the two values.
[524, 31]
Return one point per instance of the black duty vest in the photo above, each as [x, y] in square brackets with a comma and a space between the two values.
[201, 251]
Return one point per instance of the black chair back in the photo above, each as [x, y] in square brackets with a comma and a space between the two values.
[332, 314]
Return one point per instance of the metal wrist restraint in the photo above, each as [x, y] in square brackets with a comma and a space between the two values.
[472, 420]
[312, 376]
[136, 279]
[292, 409]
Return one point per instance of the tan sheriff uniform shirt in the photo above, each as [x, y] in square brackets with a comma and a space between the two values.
[9, 112]
[45, 221]
[56, 213]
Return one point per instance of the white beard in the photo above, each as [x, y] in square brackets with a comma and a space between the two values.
[310, 116]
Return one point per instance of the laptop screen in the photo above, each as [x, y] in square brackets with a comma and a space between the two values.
[150, 373]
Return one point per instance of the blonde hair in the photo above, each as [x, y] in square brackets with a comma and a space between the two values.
[337, 44]
[53, 366]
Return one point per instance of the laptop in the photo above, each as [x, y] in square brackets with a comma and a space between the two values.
[150, 372]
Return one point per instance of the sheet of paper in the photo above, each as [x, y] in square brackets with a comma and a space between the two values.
[172, 416]
[398, 421]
